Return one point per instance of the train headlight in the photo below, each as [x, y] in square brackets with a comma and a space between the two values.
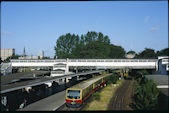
[73, 102]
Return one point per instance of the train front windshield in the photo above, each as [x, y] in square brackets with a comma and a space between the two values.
[73, 94]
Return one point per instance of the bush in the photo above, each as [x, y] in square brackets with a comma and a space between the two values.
[112, 79]
[142, 72]
[96, 96]
[146, 95]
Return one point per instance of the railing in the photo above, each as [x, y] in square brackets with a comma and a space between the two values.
[56, 60]
[86, 60]
[165, 60]
[57, 72]
[60, 66]
[112, 60]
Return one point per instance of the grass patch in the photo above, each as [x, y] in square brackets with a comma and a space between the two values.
[96, 96]
[119, 82]
[105, 95]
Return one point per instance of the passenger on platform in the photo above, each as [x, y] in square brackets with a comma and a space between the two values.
[23, 104]
[4, 106]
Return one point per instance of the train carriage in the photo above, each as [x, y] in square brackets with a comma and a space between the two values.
[76, 95]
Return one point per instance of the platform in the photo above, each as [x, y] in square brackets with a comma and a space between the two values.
[13, 82]
[50, 103]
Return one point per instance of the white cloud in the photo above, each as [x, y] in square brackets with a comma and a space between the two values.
[153, 29]
[147, 18]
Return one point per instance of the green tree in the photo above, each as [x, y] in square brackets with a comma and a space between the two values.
[116, 51]
[55, 57]
[45, 57]
[112, 79]
[96, 45]
[106, 39]
[102, 38]
[147, 53]
[163, 52]
[91, 45]
[146, 95]
[76, 52]
[90, 37]
[12, 57]
[65, 45]
[142, 72]
[94, 49]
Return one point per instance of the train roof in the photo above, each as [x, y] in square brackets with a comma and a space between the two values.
[86, 83]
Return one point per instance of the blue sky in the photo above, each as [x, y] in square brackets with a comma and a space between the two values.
[134, 25]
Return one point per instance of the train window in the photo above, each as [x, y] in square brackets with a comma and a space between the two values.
[73, 94]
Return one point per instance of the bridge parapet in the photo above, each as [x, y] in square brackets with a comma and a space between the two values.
[113, 60]
[165, 61]
[138, 63]
[114, 63]
[88, 60]
[39, 60]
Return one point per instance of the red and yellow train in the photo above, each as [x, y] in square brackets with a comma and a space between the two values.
[76, 95]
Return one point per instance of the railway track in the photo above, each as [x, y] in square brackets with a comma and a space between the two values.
[65, 108]
[119, 99]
